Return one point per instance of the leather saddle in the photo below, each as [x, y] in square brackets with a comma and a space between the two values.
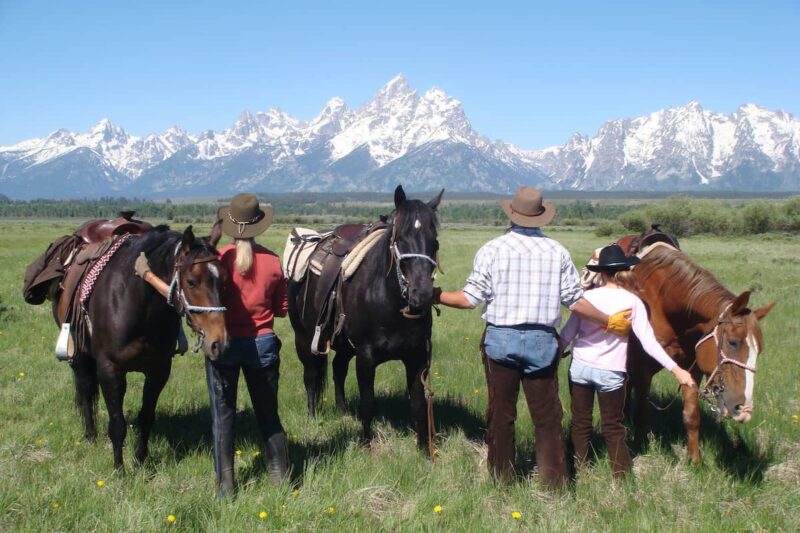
[99, 230]
[330, 254]
[633, 244]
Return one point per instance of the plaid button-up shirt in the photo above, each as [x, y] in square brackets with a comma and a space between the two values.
[523, 279]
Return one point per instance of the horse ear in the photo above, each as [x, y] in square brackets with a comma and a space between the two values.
[399, 196]
[740, 303]
[188, 239]
[216, 233]
[762, 312]
[434, 203]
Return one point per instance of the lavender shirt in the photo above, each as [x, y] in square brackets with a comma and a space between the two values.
[595, 347]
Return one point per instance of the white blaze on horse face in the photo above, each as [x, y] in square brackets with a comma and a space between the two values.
[417, 224]
[752, 344]
[213, 270]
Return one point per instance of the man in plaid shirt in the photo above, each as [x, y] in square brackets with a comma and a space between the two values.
[524, 278]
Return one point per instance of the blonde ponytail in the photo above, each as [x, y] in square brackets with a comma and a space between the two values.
[244, 256]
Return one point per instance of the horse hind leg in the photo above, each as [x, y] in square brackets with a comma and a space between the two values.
[315, 373]
[154, 382]
[113, 384]
[84, 372]
[341, 364]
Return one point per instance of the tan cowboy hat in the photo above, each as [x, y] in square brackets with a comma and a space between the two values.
[526, 209]
[244, 219]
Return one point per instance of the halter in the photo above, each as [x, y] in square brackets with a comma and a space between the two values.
[187, 308]
[714, 390]
[397, 257]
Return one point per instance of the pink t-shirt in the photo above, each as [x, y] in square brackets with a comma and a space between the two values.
[595, 347]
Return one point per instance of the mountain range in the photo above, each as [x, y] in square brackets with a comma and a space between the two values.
[425, 142]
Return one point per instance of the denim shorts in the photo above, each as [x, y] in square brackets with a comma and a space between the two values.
[599, 379]
[528, 347]
[252, 352]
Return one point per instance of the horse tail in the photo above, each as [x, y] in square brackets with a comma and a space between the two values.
[84, 372]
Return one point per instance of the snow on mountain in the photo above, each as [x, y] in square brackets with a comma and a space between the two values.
[425, 141]
[681, 148]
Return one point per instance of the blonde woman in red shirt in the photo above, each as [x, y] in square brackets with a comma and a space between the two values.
[255, 294]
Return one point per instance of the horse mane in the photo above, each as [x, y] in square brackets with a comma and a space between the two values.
[697, 281]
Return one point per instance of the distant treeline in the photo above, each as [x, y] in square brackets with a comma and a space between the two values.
[679, 215]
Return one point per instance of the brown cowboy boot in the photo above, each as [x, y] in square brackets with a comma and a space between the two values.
[612, 405]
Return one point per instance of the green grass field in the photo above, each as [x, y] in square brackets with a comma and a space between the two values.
[51, 478]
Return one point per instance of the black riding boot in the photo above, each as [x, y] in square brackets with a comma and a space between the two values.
[277, 458]
[263, 386]
[222, 383]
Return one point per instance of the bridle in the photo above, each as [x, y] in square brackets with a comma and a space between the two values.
[186, 309]
[712, 391]
[397, 257]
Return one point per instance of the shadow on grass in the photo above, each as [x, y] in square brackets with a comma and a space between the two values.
[449, 413]
[734, 454]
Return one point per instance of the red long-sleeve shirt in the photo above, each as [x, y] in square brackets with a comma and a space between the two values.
[254, 300]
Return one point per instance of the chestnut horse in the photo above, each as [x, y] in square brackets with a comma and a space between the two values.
[706, 329]
[135, 329]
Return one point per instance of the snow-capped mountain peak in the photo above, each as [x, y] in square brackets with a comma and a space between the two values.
[423, 140]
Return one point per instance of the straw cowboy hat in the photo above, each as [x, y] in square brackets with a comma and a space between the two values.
[526, 209]
[613, 259]
[244, 219]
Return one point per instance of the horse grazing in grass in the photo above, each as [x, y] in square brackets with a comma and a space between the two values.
[706, 329]
[134, 329]
[387, 314]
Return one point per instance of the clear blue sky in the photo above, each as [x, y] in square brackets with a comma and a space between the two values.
[526, 72]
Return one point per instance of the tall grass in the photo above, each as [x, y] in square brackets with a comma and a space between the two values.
[749, 479]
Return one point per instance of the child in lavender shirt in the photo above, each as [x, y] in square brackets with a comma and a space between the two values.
[599, 360]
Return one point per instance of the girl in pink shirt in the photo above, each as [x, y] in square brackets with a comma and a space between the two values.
[599, 360]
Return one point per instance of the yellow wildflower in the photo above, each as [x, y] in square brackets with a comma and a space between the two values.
[256, 454]
[171, 518]
[330, 510]
[295, 493]
[263, 514]
[55, 505]
[22, 374]
[437, 509]
[238, 452]
[795, 418]
[100, 483]
[516, 515]
[40, 442]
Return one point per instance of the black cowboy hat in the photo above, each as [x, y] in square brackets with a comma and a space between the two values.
[244, 218]
[613, 259]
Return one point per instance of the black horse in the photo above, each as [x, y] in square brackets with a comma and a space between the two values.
[135, 329]
[387, 307]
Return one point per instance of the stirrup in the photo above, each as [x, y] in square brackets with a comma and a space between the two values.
[65, 346]
[315, 343]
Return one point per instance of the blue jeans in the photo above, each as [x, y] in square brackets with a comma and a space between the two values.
[528, 347]
[598, 379]
[252, 352]
[259, 359]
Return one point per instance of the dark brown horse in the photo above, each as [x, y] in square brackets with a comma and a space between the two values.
[387, 310]
[134, 329]
[706, 329]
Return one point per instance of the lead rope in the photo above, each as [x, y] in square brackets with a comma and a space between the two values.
[423, 377]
